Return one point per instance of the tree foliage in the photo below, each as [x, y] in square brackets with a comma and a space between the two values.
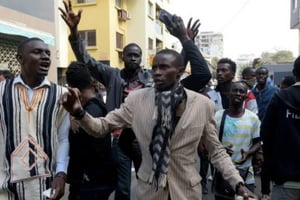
[279, 57]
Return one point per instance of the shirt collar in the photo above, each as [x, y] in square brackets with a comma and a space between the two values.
[297, 83]
[19, 79]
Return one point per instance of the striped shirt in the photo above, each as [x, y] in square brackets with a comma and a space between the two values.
[239, 133]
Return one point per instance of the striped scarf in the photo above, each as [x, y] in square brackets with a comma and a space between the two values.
[166, 103]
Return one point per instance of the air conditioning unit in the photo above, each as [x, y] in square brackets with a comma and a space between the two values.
[123, 14]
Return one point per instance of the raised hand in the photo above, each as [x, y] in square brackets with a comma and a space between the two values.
[71, 100]
[176, 28]
[71, 19]
[194, 30]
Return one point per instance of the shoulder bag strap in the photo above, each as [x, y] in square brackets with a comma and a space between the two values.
[222, 125]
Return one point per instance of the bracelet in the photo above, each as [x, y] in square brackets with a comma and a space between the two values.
[61, 175]
[79, 115]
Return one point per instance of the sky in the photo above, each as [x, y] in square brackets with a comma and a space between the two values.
[248, 26]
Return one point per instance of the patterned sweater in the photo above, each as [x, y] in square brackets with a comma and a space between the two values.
[29, 139]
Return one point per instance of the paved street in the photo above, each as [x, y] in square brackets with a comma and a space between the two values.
[209, 196]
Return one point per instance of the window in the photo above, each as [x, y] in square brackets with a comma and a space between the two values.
[159, 45]
[118, 3]
[295, 4]
[89, 36]
[150, 44]
[150, 9]
[119, 40]
[85, 1]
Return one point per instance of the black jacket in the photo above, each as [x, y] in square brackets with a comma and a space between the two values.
[280, 132]
[90, 157]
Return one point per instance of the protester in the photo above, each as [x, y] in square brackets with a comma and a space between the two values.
[120, 83]
[263, 92]
[34, 144]
[287, 81]
[5, 74]
[168, 121]
[226, 69]
[91, 170]
[249, 76]
[280, 134]
[239, 133]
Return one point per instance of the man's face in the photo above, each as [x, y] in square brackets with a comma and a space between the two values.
[165, 74]
[261, 76]
[132, 58]
[250, 78]
[35, 59]
[238, 93]
[224, 73]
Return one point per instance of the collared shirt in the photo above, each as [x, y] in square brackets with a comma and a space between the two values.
[62, 152]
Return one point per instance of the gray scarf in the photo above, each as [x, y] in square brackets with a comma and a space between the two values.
[166, 103]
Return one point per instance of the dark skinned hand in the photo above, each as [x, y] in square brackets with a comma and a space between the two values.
[71, 19]
[194, 30]
[71, 100]
[58, 188]
[243, 191]
[177, 29]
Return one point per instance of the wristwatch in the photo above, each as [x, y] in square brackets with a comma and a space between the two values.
[79, 115]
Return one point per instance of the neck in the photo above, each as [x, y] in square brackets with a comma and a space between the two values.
[236, 110]
[260, 86]
[225, 87]
[32, 82]
[130, 73]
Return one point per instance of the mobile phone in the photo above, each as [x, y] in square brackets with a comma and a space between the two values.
[165, 17]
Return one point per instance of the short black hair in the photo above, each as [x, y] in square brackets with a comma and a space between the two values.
[26, 41]
[7, 74]
[230, 62]
[240, 82]
[178, 58]
[296, 69]
[132, 45]
[78, 75]
[288, 80]
[247, 70]
[262, 68]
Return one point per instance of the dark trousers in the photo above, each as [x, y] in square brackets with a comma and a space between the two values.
[89, 191]
[204, 165]
[265, 181]
[124, 161]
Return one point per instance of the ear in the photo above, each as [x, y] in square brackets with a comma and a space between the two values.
[19, 58]
[233, 74]
[180, 72]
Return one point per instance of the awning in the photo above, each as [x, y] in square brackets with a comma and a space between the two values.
[12, 29]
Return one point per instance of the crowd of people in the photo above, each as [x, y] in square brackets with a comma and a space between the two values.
[154, 119]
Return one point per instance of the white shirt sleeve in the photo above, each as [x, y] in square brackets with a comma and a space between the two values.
[62, 153]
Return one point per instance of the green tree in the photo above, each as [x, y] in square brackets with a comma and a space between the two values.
[278, 57]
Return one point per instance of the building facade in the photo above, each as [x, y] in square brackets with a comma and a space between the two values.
[25, 19]
[108, 25]
[211, 44]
